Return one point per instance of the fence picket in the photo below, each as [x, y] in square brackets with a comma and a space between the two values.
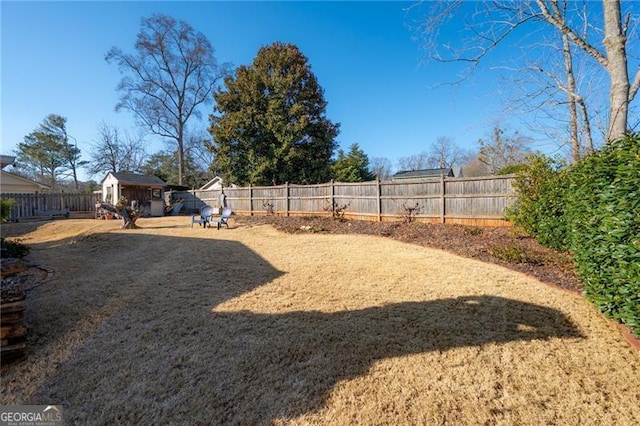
[470, 201]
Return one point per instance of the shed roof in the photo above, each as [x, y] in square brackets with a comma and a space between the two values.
[135, 179]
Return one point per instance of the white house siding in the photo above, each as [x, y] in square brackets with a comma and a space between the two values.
[12, 184]
[110, 189]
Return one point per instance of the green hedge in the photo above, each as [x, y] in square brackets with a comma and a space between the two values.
[593, 210]
[603, 200]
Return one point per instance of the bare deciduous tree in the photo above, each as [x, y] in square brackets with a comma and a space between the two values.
[114, 151]
[381, 167]
[172, 72]
[413, 162]
[502, 150]
[490, 23]
[444, 153]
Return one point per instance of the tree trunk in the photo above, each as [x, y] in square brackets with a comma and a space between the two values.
[180, 153]
[128, 221]
[614, 43]
[573, 112]
[587, 126]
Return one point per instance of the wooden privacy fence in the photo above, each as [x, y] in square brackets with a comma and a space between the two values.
[477, 201]
[26, 206]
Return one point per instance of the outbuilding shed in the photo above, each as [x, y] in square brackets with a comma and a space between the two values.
[147, 191]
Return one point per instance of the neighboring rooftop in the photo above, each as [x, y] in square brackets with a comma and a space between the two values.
[423, 174]
[6, 160]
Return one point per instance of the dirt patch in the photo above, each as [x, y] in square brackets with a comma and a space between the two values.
[250, 325]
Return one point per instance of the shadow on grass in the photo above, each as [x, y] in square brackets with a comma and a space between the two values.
[160, 354]
[285, 365]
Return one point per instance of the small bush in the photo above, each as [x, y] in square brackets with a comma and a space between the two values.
[513, 253]
[5, 209]
[539, 209]
[472, 230]
[14, 248]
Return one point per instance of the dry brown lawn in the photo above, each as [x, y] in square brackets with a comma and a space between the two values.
[169, 324]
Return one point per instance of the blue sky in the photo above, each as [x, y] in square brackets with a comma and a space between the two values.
[364, 54]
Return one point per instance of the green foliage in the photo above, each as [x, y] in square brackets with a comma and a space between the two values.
[352, 167]
[5, 208]
[593, 210]
[46, 152]
[271, 126]
[603, 201]
[162, 165]
[539, 209]
[513, 253]
[512, 169]
[14, 248]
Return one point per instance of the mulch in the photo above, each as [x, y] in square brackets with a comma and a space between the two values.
[504, 246]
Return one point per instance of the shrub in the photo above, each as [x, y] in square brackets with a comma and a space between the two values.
[513, 253]
[14, 248]
[511, 169]
[593, 210]
[603, 204]
[539, 209]
[472, 230]
[5, 209]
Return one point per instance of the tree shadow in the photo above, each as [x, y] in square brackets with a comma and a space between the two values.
[290, 362]
[161, 346]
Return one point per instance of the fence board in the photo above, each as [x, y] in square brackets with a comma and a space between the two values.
[45, 205]
[450, 200]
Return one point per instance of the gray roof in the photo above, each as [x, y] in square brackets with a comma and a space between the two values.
[134, 179]
[425, 173]
[6, 160]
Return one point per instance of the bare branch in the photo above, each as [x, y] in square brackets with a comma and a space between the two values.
[170, 76]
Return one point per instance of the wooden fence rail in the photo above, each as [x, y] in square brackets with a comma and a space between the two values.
[27, 206]
[472, 201]
[480, 201]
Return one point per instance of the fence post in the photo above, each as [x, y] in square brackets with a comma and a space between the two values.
[333, 204]
[379, 205]
[250, 200]
[286, 193]
[443, 213]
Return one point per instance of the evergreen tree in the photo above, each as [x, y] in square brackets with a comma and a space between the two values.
[269, 124]
[352, 167]
[47, 153]
[162, 165]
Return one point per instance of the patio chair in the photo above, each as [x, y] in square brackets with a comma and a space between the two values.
[224, 218]
[204, 217]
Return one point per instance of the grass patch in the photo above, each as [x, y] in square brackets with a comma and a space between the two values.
[253, 326]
